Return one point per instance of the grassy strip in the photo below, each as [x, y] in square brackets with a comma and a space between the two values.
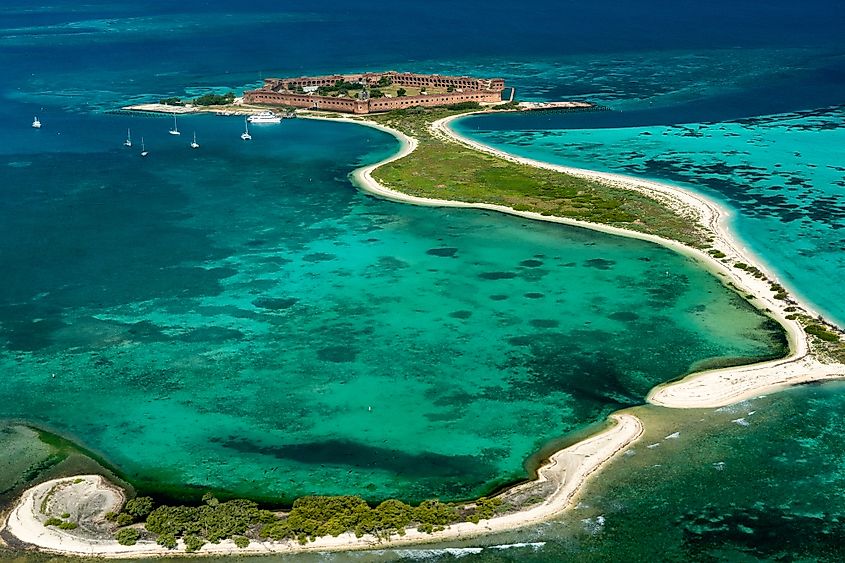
[443, 169]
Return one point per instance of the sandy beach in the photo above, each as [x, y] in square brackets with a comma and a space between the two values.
[567, 469]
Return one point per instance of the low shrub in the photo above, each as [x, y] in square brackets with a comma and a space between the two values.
[127, 536]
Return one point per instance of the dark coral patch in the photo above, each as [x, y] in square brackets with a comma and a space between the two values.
[600, 263]
[496, 275]
[319, 257]
[460, 314]
[337, 354]
[446, 252]
[498, 297]
[531, 263]
[624, 316]
[534, 295]
[544, 323]
[275, 303]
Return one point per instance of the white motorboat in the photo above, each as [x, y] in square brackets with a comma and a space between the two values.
[264, 117]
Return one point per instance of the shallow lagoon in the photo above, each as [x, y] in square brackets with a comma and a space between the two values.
[240, 318]
[782, 175]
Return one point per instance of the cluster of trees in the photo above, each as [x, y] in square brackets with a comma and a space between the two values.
[215, 99]
[171, 102]
[385, 81]
[341, 87]
[210, 522]
[310, 518]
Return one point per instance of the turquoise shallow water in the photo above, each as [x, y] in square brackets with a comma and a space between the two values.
[757, 481]
[162, 275]
[240, 318]
[782, 175]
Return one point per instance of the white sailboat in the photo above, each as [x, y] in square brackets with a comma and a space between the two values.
[143, 148]
[175, 130]
[128, 141]
[245, 135]
[35, 123]
[194, 143]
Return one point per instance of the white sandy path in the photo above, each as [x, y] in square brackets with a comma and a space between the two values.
[568, 469]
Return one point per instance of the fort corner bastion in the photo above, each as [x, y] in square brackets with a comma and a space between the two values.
[374, 92]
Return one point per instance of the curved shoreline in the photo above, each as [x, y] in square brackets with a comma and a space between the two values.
[567, 469]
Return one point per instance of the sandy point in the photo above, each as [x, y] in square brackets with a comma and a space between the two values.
[87, 499]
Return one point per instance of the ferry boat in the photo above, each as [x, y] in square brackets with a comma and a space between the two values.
[264, 117]
[35, 123]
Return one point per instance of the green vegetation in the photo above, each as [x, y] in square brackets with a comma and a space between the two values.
[124, 519]
[312, 517]
[139, 507]
[376, 93]
[441, 168]
[485, 508]
[215, 99]
[385, 81]
[821, 332]
[716, 253]
[127, 536]
[167, 540]
[53, 522]
[341, 88]
[171, 102]
[193, 543]
[211, 522]
[68, 526]
[309, 518]
[401, 92]
[779, 291]
[65, 514]
[826, 342]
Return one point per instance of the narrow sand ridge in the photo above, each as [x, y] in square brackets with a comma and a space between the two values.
[566, 469]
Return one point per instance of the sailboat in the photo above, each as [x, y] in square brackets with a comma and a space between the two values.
[143, 148]
[194, 143]
[175, 130]
[35, 123]
[128, 141]
[245, 135]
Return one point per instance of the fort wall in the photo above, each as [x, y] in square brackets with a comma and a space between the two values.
[282, 91]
